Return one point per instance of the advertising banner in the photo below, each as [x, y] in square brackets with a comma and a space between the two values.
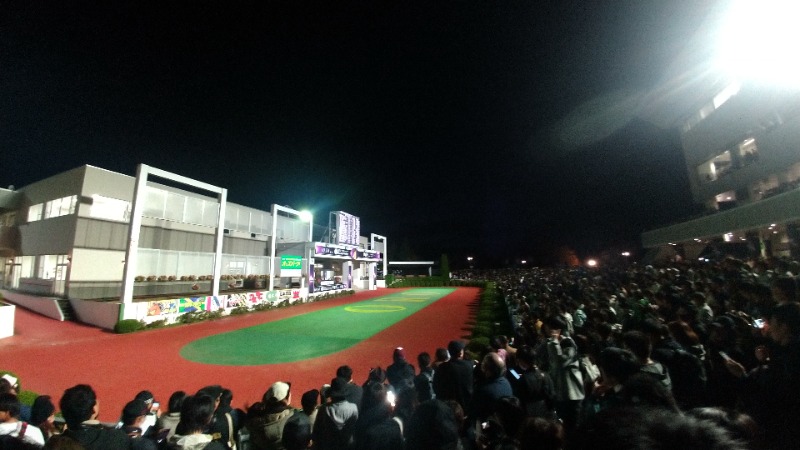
[291, 266]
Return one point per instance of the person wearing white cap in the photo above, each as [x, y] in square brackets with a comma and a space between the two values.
[266, 419]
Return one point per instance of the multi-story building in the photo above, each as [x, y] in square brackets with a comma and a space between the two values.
[69, 236]
[741, 144]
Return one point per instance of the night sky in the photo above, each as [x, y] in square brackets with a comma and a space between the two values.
[500, 130]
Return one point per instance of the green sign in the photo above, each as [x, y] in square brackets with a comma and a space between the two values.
[291, 266]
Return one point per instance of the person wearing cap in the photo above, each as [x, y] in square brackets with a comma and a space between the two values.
[400, 372]
[266, 419]
[133, 424]
[333, 429]
[10, 384]
[152, 410]
[11, 425]
[453, 379]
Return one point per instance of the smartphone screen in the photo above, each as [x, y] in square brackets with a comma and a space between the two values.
[515, 373]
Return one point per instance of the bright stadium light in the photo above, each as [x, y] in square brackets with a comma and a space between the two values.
[758, 41]
[591, 263]
[305, 216]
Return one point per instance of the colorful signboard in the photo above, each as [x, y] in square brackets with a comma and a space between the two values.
[337, 251]
[291, 266]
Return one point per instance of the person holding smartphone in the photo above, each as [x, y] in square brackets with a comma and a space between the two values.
[564, 369]
[770, 392]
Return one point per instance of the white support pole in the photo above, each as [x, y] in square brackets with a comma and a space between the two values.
[143, 172]
[218, 238]
[272, 239]
[298, 214]
[132, 250]
[385, 252]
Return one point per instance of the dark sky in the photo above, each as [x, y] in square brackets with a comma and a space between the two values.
[495, 129]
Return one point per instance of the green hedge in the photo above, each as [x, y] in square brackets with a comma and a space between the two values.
[393, 282]
[128, 326]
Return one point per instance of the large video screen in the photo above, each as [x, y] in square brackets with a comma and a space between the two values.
[348, 228]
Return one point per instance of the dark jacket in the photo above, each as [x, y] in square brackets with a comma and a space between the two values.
[453, 381]
[487, 394]
[98, 437]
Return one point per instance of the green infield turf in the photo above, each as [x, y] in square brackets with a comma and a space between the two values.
[310, 335]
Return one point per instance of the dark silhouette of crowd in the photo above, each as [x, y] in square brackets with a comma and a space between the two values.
[702, 355]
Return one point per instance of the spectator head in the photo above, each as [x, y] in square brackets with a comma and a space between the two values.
[134, 412]
[633, 428]
[42, 409]
[338, 390]
[376, 375]
[279, 392]
[9, 407]
[374, 395]
[399, 354]
[493, 366]
[442, 355]
[78, 404]
[424, 360]
[345, 372]
[784, 323]
[535, 432]
[146, 396]
[196, 413]
[9, 383]
[456, 349]
[784, 289]
[61, 442]
[526, 357]
[740, 425]
[433, 426]
[553, 323]
[214, 391]
[617, 365]
[175, 401]
[683, 333]
[309, 401]
[643, 389]
[638, 343]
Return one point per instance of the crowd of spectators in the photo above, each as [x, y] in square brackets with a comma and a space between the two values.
[685, 356]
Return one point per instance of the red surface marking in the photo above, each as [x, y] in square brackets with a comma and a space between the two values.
[50, 356]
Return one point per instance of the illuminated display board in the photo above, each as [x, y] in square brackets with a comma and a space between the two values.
[348, 228]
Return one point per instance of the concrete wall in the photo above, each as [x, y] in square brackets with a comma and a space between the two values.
[45, 306]
[7, 320]
[100, 314]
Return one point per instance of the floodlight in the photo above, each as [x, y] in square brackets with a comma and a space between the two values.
[757, 41]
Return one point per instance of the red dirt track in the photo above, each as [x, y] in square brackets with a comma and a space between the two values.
[50, 356]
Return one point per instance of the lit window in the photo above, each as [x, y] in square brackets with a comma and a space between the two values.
[110, 208]
[60, 207]
[35, 212]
